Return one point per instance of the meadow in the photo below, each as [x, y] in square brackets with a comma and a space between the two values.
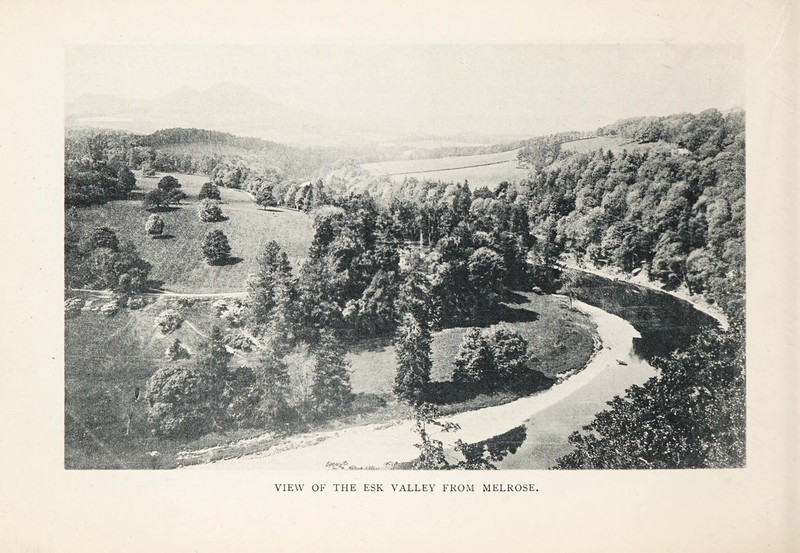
[480, 170]
[178, 264]
[560, 340]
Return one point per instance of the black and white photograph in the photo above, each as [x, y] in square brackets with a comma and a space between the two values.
[415, 276]
[407, 257]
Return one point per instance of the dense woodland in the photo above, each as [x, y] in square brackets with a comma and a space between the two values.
[402, 260]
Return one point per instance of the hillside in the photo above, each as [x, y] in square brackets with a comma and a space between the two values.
[177, 260]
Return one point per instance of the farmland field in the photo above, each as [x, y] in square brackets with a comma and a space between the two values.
[480, 170]
[559, 340]
[177, 261]
[614, 143]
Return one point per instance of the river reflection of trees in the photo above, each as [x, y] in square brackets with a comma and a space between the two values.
[664, 321]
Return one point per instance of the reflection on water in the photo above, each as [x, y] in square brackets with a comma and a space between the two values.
[664, 322]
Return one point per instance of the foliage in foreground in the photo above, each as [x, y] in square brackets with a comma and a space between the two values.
[690, 416]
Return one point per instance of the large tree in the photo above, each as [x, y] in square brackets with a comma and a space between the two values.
[215, 248]
[413, 351]
[168, 183]
[179, 398]
[331, 391]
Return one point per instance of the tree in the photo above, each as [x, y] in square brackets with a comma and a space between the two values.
[690, 416]
[474, 361]
[509, 353]
[215, 247]
[265, 197]
[155, 199]
[272, 270]
[272, 376]
[413, 351]
[126, 180]
[210, 191]
[154, 225]
[486, 274]
[148, 170]
[176, 351]
[168, 183]
[102, 237]
[331, 391]
[175, 196]
[209, 211]
[179, 401]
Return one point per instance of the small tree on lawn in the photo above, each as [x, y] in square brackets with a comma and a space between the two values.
[208, 191]
[168, 183]
[265, 197]
[175, 196]
[331, 390]
[209, 211]
[413, 351]
[216, 249]
[176, 351]
[154, 225]
[155, 199]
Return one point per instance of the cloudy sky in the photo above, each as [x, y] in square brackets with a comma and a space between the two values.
[519, 89]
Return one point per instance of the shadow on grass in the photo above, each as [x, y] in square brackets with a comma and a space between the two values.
[449, 392]
[504, 313]
[228, 261]
[163, 237]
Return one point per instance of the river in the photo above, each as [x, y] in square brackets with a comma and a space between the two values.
[634, 323]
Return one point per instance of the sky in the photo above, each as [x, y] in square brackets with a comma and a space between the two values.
[445, 89]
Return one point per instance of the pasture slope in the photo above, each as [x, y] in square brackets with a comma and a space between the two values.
[480, 170]
[177, 261]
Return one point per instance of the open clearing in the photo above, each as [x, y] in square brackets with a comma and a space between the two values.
[480, 170]
[560, 339]
[178, 264]
[614, 143]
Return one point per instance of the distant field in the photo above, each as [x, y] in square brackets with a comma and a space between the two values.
[177, 260]
[560, 340]
[480, 170]
[614, 143]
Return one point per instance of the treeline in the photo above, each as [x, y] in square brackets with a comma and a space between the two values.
[678, 215]
[227, 160]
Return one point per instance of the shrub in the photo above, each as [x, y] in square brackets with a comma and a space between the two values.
[136, 302]
[237, 340]
[209, 211]
[154, 225]
[169, 320]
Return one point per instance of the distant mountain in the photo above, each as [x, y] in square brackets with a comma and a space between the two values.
[223, 107]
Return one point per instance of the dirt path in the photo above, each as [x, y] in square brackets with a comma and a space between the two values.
[377, 444]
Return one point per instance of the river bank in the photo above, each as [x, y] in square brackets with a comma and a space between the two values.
[378, 444]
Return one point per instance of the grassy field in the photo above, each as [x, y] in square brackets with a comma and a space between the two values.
[614, 143]
[559, 340]
[480, 170]
[106, 359]
[176, 258]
